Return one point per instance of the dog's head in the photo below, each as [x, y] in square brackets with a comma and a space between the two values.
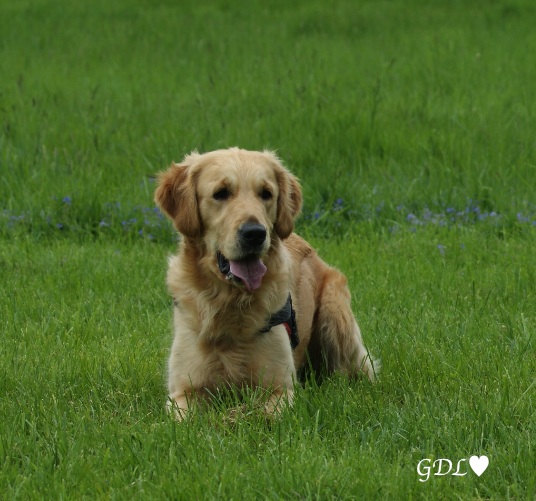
[235, 203]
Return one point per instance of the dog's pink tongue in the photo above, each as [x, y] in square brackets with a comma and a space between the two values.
[250, 272]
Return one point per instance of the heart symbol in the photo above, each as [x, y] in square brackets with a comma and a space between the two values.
[479, 464]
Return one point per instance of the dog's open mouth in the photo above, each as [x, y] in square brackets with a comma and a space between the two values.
[248, 271]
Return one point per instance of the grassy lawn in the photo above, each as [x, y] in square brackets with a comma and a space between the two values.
[411, 125]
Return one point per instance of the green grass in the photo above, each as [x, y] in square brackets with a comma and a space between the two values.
[411, 125]
[83, 362]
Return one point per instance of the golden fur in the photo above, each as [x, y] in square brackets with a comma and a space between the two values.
[217, 321]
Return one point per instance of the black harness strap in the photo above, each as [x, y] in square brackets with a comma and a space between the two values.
[286, 316]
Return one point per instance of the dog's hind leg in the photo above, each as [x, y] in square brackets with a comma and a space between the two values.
[336, 337]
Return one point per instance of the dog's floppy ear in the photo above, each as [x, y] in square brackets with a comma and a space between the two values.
[176, 196]
[289, 203]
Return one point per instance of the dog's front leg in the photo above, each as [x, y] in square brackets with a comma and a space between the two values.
[179, 405]
[278, 400]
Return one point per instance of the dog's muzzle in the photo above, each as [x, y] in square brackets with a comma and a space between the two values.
[249, 269]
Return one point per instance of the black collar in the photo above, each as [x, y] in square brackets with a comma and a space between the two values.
[286, 316]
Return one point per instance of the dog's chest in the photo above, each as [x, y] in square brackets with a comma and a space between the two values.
[230, 325]
[228, 360]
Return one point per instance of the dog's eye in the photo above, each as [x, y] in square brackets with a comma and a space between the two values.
[221, 194]
[266, 194]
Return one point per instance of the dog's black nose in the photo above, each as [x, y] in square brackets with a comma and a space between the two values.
[252, 236]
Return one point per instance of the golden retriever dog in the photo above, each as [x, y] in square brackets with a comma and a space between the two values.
[254, 305]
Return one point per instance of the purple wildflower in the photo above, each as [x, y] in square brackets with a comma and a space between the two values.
[338, 205]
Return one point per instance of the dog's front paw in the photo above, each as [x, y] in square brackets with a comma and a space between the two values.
[178, 407]
[279, 400]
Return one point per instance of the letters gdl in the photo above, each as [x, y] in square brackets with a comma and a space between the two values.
[442, 467]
